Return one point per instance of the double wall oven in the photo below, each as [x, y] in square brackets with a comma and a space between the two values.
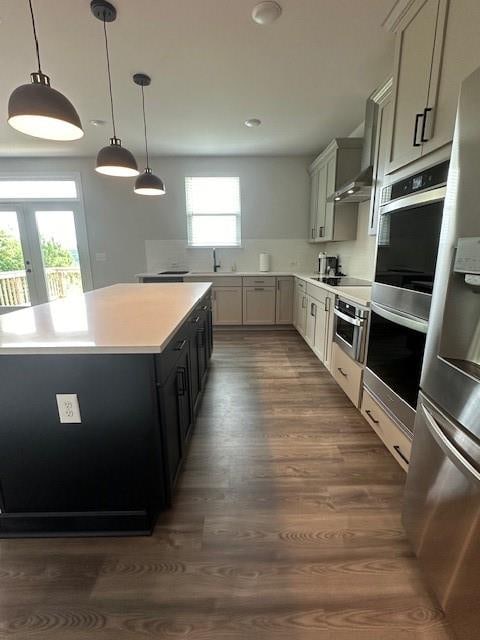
[407, 248]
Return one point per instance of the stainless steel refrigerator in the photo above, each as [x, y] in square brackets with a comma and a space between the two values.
[442, 500]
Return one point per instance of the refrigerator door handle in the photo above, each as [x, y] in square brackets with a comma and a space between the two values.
[448, 448]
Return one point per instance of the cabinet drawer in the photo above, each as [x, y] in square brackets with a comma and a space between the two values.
[217, 281]
[347, 373]
[390, 433]
[258, 281]
[318, 293]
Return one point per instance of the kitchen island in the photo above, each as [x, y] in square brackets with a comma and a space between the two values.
[98, 399]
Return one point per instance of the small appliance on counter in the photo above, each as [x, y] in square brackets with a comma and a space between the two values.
[264, 262]
[328, 265]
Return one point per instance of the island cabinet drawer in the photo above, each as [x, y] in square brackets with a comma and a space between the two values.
[387, 430]
[165, 361]
[259, 281]
[347, 373]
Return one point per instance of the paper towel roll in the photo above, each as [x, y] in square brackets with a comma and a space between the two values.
[264, 262]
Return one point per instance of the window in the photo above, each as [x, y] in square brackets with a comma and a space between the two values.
[213, 211]
[37, 189]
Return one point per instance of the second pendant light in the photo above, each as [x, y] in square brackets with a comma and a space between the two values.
[147, 184]
[113, 160]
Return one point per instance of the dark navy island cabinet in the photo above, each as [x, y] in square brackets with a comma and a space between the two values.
[113, 473]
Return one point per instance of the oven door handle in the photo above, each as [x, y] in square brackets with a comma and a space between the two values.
[415, 199]
[355, 321]
[408, 322]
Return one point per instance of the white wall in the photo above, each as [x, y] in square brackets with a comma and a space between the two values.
[128, 228]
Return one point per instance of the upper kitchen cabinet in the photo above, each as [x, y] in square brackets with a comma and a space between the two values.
[383, 99]
[437, 46]
[331, 221]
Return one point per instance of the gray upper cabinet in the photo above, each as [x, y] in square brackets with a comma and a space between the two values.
[339, 162]
[419, 42]
[383, 98]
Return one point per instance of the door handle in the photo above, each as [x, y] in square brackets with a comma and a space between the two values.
[321, 231]
[195, 320]
[426, 111]
[400, 454]
[415, 131]
[369, 414]
[180, 345]
[181, 381]
[345, 375]
[258, 289]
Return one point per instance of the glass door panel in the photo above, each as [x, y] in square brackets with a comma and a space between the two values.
[17, 288]
[59, 252]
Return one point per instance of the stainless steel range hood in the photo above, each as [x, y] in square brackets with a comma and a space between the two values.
[359, 188]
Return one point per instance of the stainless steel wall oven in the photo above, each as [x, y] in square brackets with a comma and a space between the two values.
[350, 329]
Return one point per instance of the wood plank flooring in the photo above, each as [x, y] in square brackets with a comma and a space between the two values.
[286, 525]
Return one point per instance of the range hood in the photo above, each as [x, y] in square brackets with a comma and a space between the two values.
[359, 188]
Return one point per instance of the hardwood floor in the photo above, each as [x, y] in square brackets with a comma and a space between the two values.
[286, 524]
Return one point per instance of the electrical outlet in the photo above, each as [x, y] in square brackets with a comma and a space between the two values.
[68, 408]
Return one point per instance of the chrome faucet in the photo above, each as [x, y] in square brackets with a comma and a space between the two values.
[216, 265]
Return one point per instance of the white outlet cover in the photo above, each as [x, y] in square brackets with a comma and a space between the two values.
[68, 408]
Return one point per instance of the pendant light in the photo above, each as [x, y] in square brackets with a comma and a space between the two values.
[113, 160]
[147, 184]
[40, 111]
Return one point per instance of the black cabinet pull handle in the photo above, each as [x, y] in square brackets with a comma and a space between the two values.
[369, 414]
[399, 452]
[415, 131]
[181, 381]
[180, 345]
[205, 308]
[345, 375]
[196, 320]
[424, 124]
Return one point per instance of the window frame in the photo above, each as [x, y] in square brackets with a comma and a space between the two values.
[238, 216]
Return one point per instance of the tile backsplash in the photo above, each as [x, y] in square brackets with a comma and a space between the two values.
[285, 255]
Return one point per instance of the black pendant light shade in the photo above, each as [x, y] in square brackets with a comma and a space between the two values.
[113, 160]
[147, 184]
[40, 111]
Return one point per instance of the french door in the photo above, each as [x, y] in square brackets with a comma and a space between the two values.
[43, 253]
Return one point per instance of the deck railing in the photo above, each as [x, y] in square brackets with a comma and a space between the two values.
[60, 282]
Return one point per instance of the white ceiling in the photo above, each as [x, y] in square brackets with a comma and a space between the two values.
[306, 76]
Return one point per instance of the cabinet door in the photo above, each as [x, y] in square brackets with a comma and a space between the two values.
[329, 221]
[456, 56]
[284, 302]
[227, 305]
[202, 350]
[415, 42]
[314, 178]
[382, 141]
[259, 305]
[322, 201]
[301, 316]
[311, 321]
[320, 331]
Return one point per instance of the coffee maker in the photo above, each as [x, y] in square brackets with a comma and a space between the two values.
[327, 265]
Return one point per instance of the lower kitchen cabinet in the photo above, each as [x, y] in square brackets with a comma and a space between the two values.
[284, 301]
[347, 373]
[387, 430]
[300, 307]
[259, 305]
[320, 303]
[227, 305]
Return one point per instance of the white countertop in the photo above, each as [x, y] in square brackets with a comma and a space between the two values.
[362, 295]
[124, 318]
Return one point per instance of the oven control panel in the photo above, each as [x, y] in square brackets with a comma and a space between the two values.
[467, 259]
[430, 178]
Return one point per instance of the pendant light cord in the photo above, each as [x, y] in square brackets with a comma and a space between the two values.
[109, 74]
[145, 127]
[35, 36]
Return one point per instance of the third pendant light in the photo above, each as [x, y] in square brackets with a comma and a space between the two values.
[147, 184]
[113, 160]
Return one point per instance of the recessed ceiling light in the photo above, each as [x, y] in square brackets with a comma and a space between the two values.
[266, 12]
[253, 122]
[350, 191]
[98, 123]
